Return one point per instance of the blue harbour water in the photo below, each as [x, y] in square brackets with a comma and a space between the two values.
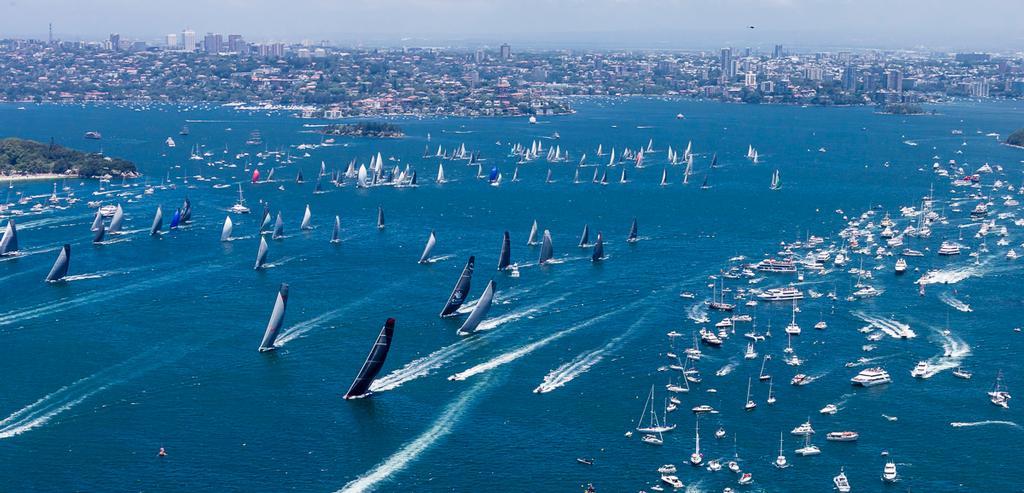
[153, 342]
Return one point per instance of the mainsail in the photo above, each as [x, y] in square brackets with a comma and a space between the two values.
[225, 232]
[266, 218]
[380, 217]
[60, 267]
[440, 173]
[175, 219]
[306, 216]
[336, 235]
[278, 228]
[585, 237]
[186, 211]
[506, 252]
[532, 240]
[115, 222]
[158, 222]
[598, 249]
[632, 232]
[261, 255]
[100, 233]
[96, 221]
[276, 320]
[9, 242]
[374, 361]
[479, 311]
[461, 289]
[546, 250]
[431, 240]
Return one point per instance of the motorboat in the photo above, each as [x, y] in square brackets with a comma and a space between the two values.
[870, 377]
[921, 370]
[842, 436]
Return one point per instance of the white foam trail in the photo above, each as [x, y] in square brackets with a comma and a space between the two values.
[950, 300]
[517, 353]
[298, 330]
[893, 328]
[279, 263]
[439, 258]
[698, 313]
[961, 424]
[500, 297]
[82, 277]
[949, 276]
[422, 367]
[727, 369]
[954, 350]
[398, 461]
[583, 362]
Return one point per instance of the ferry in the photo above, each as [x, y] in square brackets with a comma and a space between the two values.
[788, 293]
[777, 266]
[921, 370]
[870, 377]
[842, 436]
[901, 266]
[949, 248]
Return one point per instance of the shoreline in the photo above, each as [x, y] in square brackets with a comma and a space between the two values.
[37, 177]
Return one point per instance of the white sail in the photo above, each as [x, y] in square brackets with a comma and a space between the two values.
[440, 173]
[361, 180]
[225, 232]
[431, 241]
[305, 219]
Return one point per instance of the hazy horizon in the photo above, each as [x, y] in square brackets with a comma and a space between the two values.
[543, 24]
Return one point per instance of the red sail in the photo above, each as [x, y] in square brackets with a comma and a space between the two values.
[255, 175]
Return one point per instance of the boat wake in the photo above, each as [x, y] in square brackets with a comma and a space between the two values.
[422, 367]
[954, 351]
[698, 313]
[279, 263]
[398, 461]
[961, 424]
[949, 276]
[948, 299]
[440, 258]
[583, 362]
[891, 327]
[727, 369]
[83, 277]
[521, 351]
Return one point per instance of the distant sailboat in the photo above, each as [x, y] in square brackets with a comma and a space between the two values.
[158, 222]
[278, 228]
[585, 237]
[458, 296]
[276, 320]
[175, 219]
[632, 238]
[306, 216]
[225, 232]
[440, 174]
[380, 217]
[776, 182]
[546, 249]
[299, 178]
[504, 259]
[100, 233]
[265, 221]
[548, 179]
[374, 362]
[479, 310]
[9, 242]
[60, 267]
[532, 240]
[664, 177]
[598, 249]
[336, 235]
[97, 221]
[431, 240]
[261, 254]
[115, 222]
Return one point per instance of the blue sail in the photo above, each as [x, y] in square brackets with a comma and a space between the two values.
[176, 219]
[494, 174]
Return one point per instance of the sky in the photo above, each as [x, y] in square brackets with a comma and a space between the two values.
[950, 25]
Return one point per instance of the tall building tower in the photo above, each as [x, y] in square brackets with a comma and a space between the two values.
[506, 52]
[726, 61]
[115, 41]
[236, 44]
[171, 41]
[212, 43]
[50, 38]
[849, 79]
[777, 52]
[188, 40]
[894, 80]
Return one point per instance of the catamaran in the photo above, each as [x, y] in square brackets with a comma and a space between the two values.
[999, 395]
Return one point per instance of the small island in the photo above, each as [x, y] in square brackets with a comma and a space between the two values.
[28, 159]
[366, 129]
[903, 109]
[1016, 139]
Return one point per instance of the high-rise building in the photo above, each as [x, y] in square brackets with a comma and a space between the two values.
[725, 59]
[212, 43]
[188, 40]
[894, 80]
[478, 56]
[750, 79]
[236, 44]
[171, 41]
[115, 41]
[849, 79]
[777, 52]
[506, 52]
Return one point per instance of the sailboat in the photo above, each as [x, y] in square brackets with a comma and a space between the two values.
[278, 228]
[60, 266]
[380, 217]
[776, 183]
[750, 405]
[780, 461]
[440, 174]
[431, 240]
[261, 254]
[696, 458]
[336, 235]
[479, 310]
[771, 392]
[999, 395]
[546, 249]
[374, 362]
[585, 237]
[115, 222]
[100, 233]
[276, 320]
[306, 216]
[598, 249]
[652, 425]
[664, 177]
[762, 376]
[632, 238]
[158, 221]
[515, 175]
[225, 232]
[461, 289]
[532, 240]
[9, 241]
[505, 257]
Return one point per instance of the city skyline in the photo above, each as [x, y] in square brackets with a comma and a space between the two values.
[546, 24]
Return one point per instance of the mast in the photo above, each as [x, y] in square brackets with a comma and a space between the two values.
[276, 319]
[374, 361]
[380, 217]
[336, 234]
